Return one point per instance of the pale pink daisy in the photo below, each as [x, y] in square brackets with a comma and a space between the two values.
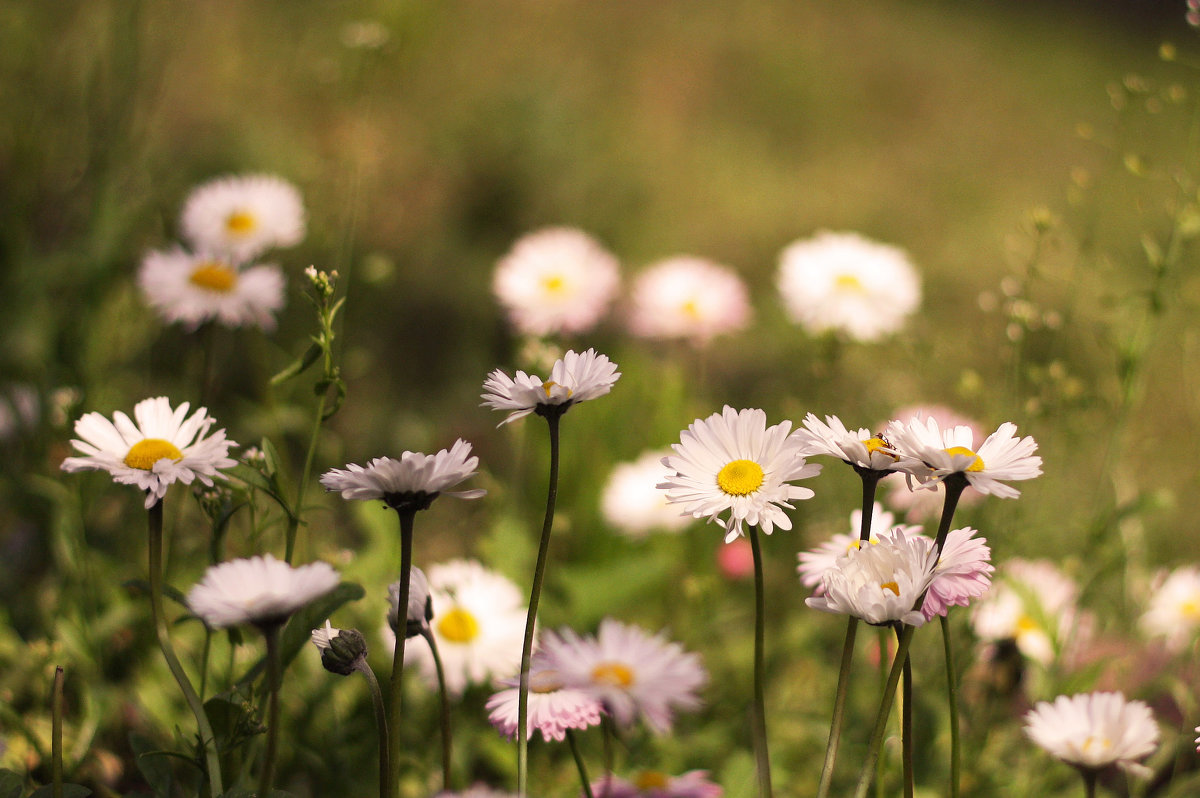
[259, 590]
[963, 573]
[192, 289]
[574, 378]
[553, 707]
[882, 583]
[930, 454]
[688, 298]
[1033, 604]
[243, 216]
[655, 784]
[632, 503]
[1095, 730]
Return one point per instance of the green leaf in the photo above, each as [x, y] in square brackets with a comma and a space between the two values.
[251, 476]
[12, 784]
[152, 764]
[274, 461]
[299, 365]
[69, 791]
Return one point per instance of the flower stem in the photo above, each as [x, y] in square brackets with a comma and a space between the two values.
[309, 456]
[56, 712]
[267, 775]
[381, 729]
[208, 745]
[445, 702]
[885, 707]
[952, 698]
[583, 776]
[839, 708]
[395, 690]
[954, 485]
[1089, 782]
[759, 721]
[906, 726]
[535, 593]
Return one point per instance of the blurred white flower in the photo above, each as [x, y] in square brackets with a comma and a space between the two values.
[556, 280]
[365, 35]
[553, 707]
[477, 791]
[930, 454]
[1174, 612]
[632, 502]
[880, 583]
[420, 605]
[690, 298]
[414, 480]
[844, 282]
[1031, 603]
[192, 289]
[1095, 730]
[241, 217]
[20, 410]
[574, 378]
[259, 590]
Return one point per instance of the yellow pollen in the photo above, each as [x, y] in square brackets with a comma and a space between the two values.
[554, 283]
[976, 464]
[690, 309]
[549, 386]
[1190, 609]
[876, 444]
[651, 780]
[240, 223]
[613, 674]
[848, 282]
[144, 454]
[1104, 742]
[1027, 624]
[892, 586]
[740, 477]
[214, 276]
[855, 545]
[458, 626]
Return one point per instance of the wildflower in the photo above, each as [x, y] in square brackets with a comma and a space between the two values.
[927, 502]
[815, 562]
[860, 448]
[1033, 604]
[243, 216]
[931, 454]
[631, 672]
[412, 482]
[343, 651]
[556, 280]
[163, 446]
[1095, 730]
[654, 784]
[733, 461]
[420, 604]
[1174, 612]
[844, 282]
[574, 378]
[689, 298]
[553, 706]
[260, 590]
[882, 583]
[632, 502]
[963, 573]
[193, 289]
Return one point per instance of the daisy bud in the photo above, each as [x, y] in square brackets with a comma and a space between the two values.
[341, 649]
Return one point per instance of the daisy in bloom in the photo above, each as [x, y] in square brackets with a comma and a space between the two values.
[1095, 730]
[733, 461]
[420, 604]
[192, 289]
[1033, 604]
[556, 280]
[653, 784]
[1174, 612]
[411, 482]
[844, 282]
[815, 562]
[632, 502]
[963, 572]
[926, 502]
[689, 298]
[260, 590]
[478, 626]
[553, 707]
[631, 672]
[243, 216]
[881, 583]
[860, 448]
[931, 454]
[574, 378]
[159, 447]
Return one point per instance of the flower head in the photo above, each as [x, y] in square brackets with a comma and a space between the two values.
[815, 562]
[161, 446]
[632, 502]
[882, 583]
[420, 604]
[1174, 612]
[192, 289]
[860, 448]
[556, 280]
[689, 298]
[243, 216]
[844, 282]
[412, 482]
[553, 706]
[654, 784]
[259, 590]
[927, 502]
[1033, 604]
[574, 378]
[733, 461]
[1095, 730]
[931, 454]
[964, 572]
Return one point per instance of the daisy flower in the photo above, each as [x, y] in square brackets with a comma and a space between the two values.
[574, 378]
[259, 590]
[243, 216]
[420, 604]
[556, 280]
[882, 583]
[733, 461]
[192, 289]
[553, 707]
[654, 784]
[931, 454]
[844, 282]
[1033, 604]
[411, 482]
[963, 572]
[815, 562]
[632, 502]
[631, 672]
[860, 448]
[159, 447]
[927, 502]
[689, 298]
[1174, 612]
[1095, 730]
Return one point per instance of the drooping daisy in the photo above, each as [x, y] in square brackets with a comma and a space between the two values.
[632, 673]
[632, 502]
[343, 651]
[159, 447]
[574, 378]
[844, 282]
[553, 707]
[689, 298]
[963, 572]
[815, 562]
[556, 280]
[260, 590]
[655, 784]
[192, 289]
[733, 461]
[860, 448]
[1033, 604]
[243, 216]
[1095, 730]
[1174, 612]
[411, 482]
[930, 454]
[420, 604]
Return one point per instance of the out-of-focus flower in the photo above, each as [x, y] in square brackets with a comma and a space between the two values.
[20, 410]
[632, 502]
[735, 559]
[930, 454]
[1174, 612]
[574, 378]
[414, 480]
[689, 298]
[1095, 730]
[477, 791]
[881, 583]
[1031, 603]
[259, 590]
[243, 216]
[654, 784]
[553, 706]
[365, 35]
[193, 289]
[420, 604]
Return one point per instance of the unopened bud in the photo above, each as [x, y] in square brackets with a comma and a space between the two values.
[341, 649]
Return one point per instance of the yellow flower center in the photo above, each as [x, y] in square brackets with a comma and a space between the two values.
[1104, 742]
[690, 309]
[892, 586]
[877, 444]
[458, 626]
[1190, 609]
[144, 454]
[740, 477]
[550, 385]
[849, 283]
[214, 276]
[651, 780]
[554, 284]
[855, 545]
[239, 223]
[1027, 624]
[976, 464]
[613, 674]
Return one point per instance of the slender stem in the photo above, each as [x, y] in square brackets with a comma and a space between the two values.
[583, 776]
[395, 688]
[885, 666]
[294, 516]
[761, 757]
[906, 726]
[609, 757]
[954, 485]
[447, 740]
[952, 698]
[839, 707]
[381, 729]
[208, 745]
[885, 707]
[56, 713]
[535, 593]
[1089, 782]
[267, 775]
[204, 655]
[870, 481]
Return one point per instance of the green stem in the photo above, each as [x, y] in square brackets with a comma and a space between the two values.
[954, 485]
[395, 691]
[1089, 782]
[204, 655]
[56, 713]
[583, 776]
[906, 726]
[208, 746]
[535, 593]
[759, 721]
[381, 729]
[839, 708]
[309, 456]
[884, 668]
[885, 708]
[952, 698]
[266, 777]
[447, 739]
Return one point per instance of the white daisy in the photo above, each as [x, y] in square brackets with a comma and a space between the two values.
[815, 562]
[631, 672]
[192, 289]
[420, 605]
[556, 280]
[844, 282]
[1174, 612]
[1095, 730]
[632, 502]
[243, 216]
[553, 707]
[574, 378]
[162, 447]
[1033, 604]
[733, 461]
[259, 590]
[412, 482]
[931, 454]
[964, 572]
[926, 502]
[882, 583]
[860, 448]
[690, 298]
